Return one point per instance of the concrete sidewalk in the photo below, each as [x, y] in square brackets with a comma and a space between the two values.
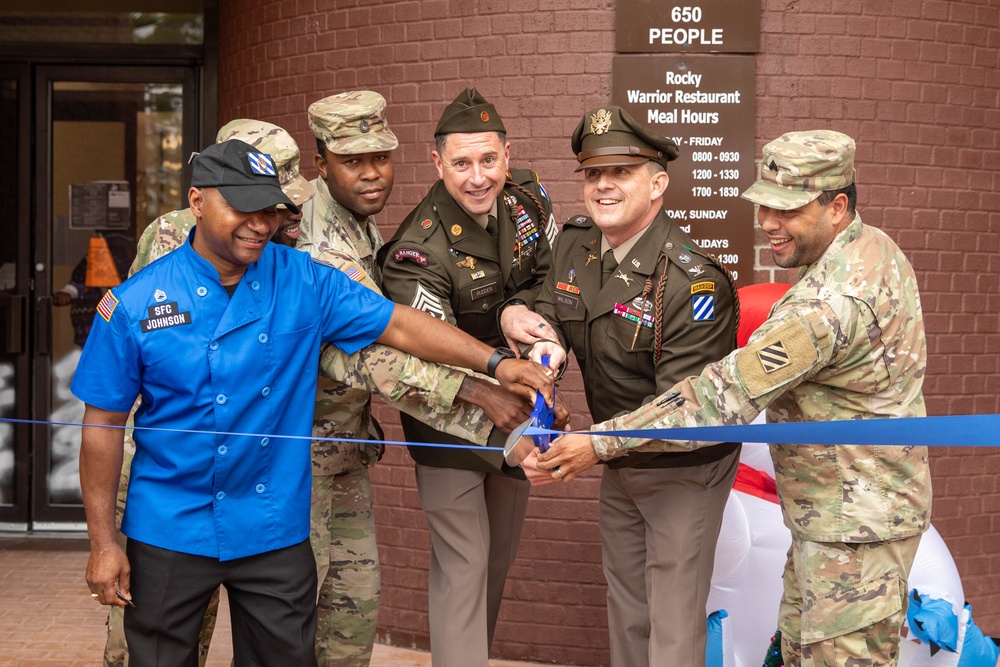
[47, 618]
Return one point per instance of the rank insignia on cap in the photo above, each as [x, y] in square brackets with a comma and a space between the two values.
[160, 296]
[703, 308]
[364, 126]
[107, 306]
[772, 166]
[600, 122]
[261, 164]
[485, 116]
[773, 357]
[426, 224]
[684, 258]
[706, 286]
[456, 230]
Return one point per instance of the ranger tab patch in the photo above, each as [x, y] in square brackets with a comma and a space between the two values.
[410, 255]
[705, 286]
[773, 357]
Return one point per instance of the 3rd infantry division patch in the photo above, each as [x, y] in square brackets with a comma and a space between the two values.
[773, 357]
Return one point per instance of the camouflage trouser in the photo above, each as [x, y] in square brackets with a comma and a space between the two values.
[115, 649]
[343, 541]
[844, 604]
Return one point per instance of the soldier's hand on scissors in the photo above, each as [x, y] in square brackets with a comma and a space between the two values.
[568, 456]
[524, 378]
[554, 350]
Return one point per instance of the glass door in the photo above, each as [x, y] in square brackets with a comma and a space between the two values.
[110, 157]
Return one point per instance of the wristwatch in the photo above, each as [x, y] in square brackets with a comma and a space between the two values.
[499, 355]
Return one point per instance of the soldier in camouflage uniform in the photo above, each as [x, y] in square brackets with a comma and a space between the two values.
[354, 159]
[845, 342]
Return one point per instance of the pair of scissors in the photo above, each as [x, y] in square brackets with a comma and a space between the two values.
[541, 416]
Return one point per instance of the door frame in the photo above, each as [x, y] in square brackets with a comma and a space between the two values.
[45, 515]
[16, 516]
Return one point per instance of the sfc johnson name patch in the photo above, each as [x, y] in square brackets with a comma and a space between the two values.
[164, 316]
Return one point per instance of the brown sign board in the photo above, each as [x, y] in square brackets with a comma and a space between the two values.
[707, 105]
[687, 26]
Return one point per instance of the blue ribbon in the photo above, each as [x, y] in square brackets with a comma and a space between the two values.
[953, 431]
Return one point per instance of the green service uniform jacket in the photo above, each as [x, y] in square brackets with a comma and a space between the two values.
[698, 320]
[442, 262]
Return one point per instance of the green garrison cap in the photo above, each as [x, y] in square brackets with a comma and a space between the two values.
[470, 112]
[798, 166]
[276, 142]
[352, 123]
[610, 137]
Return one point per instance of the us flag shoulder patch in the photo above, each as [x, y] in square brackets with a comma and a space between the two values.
[107, 306]
[354, 272]
[773, 357]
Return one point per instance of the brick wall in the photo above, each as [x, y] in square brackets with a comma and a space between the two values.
[915, 83]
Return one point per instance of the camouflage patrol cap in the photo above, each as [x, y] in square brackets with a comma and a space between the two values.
[610, 137]
[469, 112]
[351, 123]
[797, 167]
[277, 143]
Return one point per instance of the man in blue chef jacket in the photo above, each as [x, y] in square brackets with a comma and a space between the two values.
[221, 338]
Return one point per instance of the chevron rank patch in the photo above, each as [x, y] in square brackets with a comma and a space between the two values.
[428, 302]
[773, 357]
[703, 307]
[782, 354]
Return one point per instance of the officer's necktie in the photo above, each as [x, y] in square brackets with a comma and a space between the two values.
[608, 266]
[491, 225]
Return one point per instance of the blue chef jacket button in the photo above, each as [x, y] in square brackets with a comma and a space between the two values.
[201, 291]
[223, 449]
[214, 345]
[262, 338]
[260, 488]
[255, 286]
[264, 442]
[266, 391]
[221, 399]
[220, 495]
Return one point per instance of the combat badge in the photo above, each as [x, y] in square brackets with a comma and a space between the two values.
[467, 263]
[410, 255]
[703, 308]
